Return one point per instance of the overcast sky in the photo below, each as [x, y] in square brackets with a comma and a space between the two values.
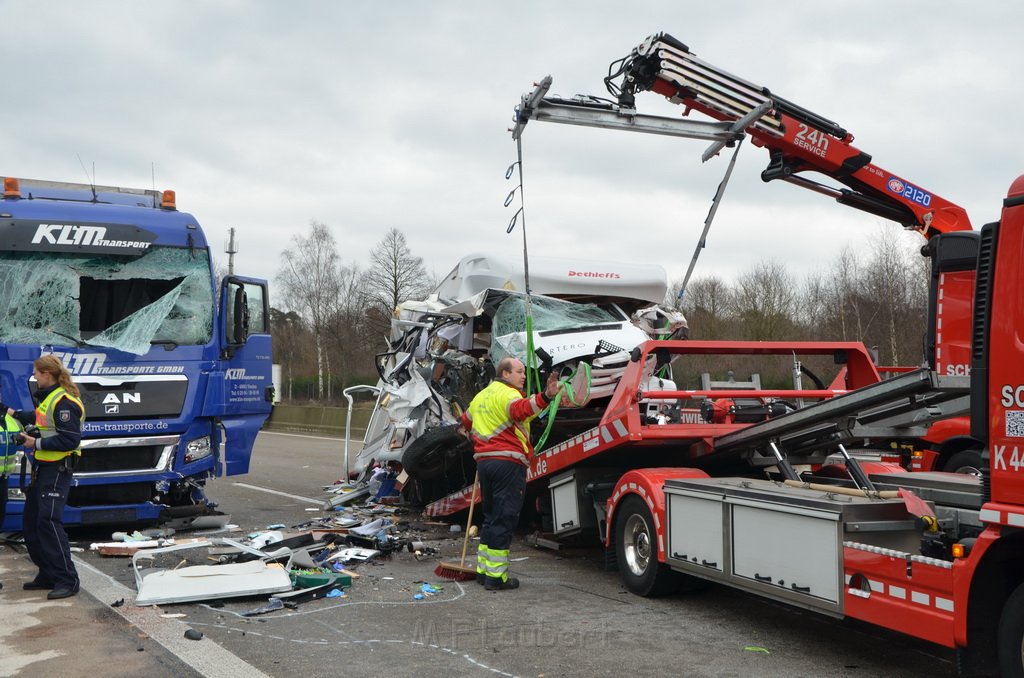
[265, 115]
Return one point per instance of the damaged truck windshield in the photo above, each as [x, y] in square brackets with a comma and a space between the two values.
[118, 301]
[175, 375]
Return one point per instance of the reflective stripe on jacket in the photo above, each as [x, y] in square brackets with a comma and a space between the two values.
[499, 419]
[46, 424]
[9, 427]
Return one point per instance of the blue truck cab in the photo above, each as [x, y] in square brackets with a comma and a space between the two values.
[174, 370]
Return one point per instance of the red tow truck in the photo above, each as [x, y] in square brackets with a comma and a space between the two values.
[778, 504]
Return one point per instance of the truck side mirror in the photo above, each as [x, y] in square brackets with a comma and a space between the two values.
[239, 317]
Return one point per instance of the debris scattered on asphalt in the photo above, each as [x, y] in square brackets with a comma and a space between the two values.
[192, 634]
[273, 604]
[312, 560]
[117, 603]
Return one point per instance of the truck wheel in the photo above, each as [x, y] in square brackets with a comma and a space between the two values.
[426, 457]
[965, 461]
[637, 551]
[1010, 639]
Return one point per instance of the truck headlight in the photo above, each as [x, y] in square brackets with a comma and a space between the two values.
[197, 449]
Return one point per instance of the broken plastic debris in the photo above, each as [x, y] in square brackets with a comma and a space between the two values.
[335, 593]
[272, 605]
[754, 648]
[117, 603]
[207, 582]
[275, 526]
[418, 596]
[428, 589]
[455, 529]
[369, 529]
[260, 539]
[354, 553]
[192, 634]
[174, 615]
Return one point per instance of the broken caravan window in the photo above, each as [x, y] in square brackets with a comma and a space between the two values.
[126, 303]
[508, 327]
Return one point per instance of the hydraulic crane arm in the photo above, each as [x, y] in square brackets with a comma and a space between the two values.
[797, 139]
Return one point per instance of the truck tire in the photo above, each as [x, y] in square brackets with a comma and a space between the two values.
[427, 457]
[965, 461]
[637, 551]
[1010, 638]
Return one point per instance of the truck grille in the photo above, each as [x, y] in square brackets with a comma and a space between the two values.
[126, 456]
[107, 460]
[102, 495]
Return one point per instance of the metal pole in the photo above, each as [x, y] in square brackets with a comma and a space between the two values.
[231, 251]
[348, 416]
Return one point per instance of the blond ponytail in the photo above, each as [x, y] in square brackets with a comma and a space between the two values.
[51, 364]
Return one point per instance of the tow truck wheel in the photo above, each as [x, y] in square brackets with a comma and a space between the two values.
[1010, 640]
[965, 461]
[637, 551]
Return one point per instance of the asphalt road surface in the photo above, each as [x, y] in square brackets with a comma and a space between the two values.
[570, 618]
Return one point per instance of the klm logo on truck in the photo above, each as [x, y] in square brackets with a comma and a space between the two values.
[86, 364]
[239, 374]
[80, 235]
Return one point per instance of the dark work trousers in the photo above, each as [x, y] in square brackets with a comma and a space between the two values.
[502, 489]
[45, 538]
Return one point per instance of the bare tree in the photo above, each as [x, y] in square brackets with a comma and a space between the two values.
[310, 284]
[347, 325]
[764, 299]
[394, 275]
[706, 307]
[897, 281]
[291, 345]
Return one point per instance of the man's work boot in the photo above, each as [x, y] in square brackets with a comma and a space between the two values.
[481, 578]
[57, 594]
[495, 584]
[36, 585]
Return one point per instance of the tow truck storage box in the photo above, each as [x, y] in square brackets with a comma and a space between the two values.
[573, 507]
[780, 541]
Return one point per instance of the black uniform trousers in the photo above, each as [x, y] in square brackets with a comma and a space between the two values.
[45, 538]
[502, 490]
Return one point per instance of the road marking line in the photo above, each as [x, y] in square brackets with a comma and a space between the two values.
[205, 656]
[299, 435]
[319, 502]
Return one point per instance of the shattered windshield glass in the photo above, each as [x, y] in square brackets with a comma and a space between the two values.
[121, 302]
[548, 314]
[508, 326]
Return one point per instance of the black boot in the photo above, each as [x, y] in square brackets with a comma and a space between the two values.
[495, 584]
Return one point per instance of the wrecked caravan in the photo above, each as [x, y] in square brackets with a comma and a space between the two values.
[443, 350]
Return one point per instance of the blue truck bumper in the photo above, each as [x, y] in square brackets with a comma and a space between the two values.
[88, 515]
